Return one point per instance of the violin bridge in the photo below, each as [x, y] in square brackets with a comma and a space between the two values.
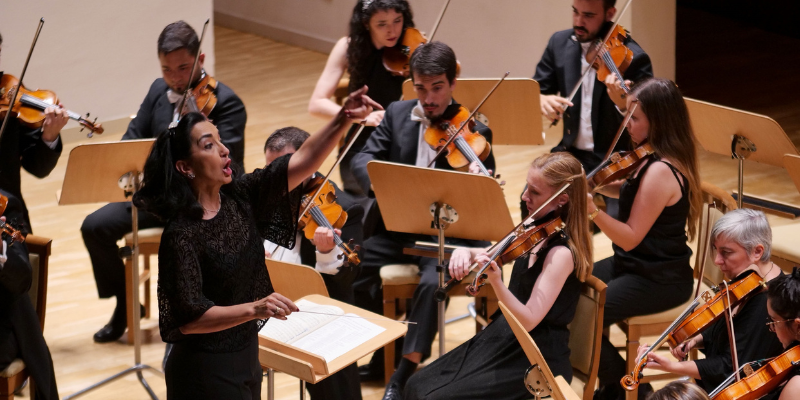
[748, 370]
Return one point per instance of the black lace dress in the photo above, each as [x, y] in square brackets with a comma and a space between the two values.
[220, 262]
[492, 364]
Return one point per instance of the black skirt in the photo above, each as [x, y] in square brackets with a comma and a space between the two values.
[193, 374]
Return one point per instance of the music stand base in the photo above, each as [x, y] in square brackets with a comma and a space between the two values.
[138, 368]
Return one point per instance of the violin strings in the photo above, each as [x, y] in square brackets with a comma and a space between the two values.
[320, 219]
[466, 150]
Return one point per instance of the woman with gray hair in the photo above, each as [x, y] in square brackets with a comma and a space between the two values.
[741, 241]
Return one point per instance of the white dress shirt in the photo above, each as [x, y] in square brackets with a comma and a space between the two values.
[585, 139]
[327, 263]
[425, 154]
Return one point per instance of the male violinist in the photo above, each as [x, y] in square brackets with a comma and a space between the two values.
[35, 149]
[177, 47]
[400, 138]
[322, 254]
[596, 112]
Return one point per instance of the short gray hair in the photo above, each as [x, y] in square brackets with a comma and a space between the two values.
[747, 227]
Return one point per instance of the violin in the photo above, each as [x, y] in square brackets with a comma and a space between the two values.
[694, 320]
[322, 210]
[467, 147]
[522, 244]
[615, 56]
[396, 58]
[202, 98]
[760, 382]
[15, 235]
[617, 166]
[29, 105]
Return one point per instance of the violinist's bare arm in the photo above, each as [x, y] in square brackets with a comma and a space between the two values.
[658, 190]
[321, 104]
[312, 153]
[661, 363]
[791, 390]
[557, 267]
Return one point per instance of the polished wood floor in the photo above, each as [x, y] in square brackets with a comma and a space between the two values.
[274, 81]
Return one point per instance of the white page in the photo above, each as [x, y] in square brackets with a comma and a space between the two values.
[299, 324]
[338, 337]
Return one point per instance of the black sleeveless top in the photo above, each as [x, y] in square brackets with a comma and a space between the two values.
[663, 255]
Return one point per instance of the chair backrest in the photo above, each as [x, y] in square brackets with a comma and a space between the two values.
[294, 280]
[39, 255]
[717, 202]
[559, 387]
[586, 332]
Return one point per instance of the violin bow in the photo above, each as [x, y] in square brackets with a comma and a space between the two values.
[594, 59]
[438, 20]
[21, 77]
[466, 121]
[731, 332]
[361, 124]
[707, 247]
[610, 151]
[191, 76]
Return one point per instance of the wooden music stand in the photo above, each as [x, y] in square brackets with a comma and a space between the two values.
[792, 164]
[740, 134]
[313, 368]
[111, 172]
[429, 201]
[508, 110]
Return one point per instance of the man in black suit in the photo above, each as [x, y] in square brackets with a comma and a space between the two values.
[596, 111]
[322, 254]
[177, 47]
[35, 149]
[399, 138]
[20, 332]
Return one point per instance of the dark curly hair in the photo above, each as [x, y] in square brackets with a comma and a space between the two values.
[166, 192]
[783, 293]
[360, 40]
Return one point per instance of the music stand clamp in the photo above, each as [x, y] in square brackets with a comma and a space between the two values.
[443, 217]
[741, 148]
[85, 183]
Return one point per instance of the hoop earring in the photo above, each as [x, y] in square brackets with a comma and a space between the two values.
[190, 175]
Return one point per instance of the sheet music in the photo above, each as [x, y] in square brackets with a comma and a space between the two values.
[338, 337]
[300, 324]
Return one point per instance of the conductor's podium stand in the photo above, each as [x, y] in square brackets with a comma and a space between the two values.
[399, 283]
[149, 241]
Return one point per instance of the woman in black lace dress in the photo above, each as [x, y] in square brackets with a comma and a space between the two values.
[214, 292]
[542, 293]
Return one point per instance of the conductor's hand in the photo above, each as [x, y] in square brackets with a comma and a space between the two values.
[460, 261]
[323, 239]
[553, 106]
[275, 305]
[494, 273]
[615, 91]
[358, 105]
[474, 168]
[55, 118]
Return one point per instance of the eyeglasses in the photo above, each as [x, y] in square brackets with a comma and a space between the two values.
[771, 323]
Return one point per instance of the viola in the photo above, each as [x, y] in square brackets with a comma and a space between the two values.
[612, 56]
[15, 235]
[522, 244]
[762, 381]
[325, 212]
[618, 166]
[467, 147]
[202, 98]
[697, 318]
[29, 105]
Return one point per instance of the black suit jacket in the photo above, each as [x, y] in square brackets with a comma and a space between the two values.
[19, 323]
[155, 115]
[396, 140]
[560, 69]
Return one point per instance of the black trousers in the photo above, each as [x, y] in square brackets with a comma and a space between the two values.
[192, 374]
[101, 230]
[629, 295]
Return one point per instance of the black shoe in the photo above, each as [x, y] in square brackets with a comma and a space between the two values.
[393, 392]
[116, 327]
[370, 373]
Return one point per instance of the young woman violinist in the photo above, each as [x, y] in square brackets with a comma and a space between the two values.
[543, 293]
[783, 308]
[650, 270]
[374, 26]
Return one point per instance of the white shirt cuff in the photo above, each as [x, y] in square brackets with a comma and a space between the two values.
[329, 263]
[4, 256]
[52, 144]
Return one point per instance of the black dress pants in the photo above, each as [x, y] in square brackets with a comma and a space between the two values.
[629, 295]
[101, 230]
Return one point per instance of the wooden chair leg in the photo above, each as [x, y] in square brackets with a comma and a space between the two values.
[389, 311]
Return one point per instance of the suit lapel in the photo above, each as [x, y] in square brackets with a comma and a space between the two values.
[409, 137]
[162, 114]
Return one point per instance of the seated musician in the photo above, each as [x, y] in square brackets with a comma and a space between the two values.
[178, 45]
[399, 138]
[543, 294]
[783, 308]
[742, 241]
[35, 149]
[649, 271]
[20, 331]
[679, 390]
[328, 259]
